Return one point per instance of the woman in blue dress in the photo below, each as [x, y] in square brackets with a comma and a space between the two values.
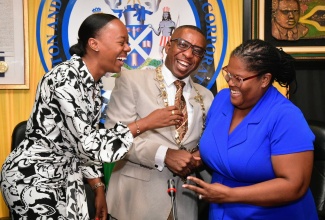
[257, 143]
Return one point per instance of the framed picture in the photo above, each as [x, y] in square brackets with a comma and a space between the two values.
[14, 62]
[307, 41]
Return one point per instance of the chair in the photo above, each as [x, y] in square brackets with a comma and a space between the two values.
[17, 137]
[317, 183]
[18, 134]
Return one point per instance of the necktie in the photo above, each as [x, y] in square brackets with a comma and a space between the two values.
[180, 103]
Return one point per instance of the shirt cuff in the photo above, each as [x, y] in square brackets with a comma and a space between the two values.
[160, 157]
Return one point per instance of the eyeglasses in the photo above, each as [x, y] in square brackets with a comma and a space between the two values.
[185, 45]
[237, 80]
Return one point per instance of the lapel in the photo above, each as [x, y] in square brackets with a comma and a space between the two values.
[254, 117]
[156, 91]
[161, 104]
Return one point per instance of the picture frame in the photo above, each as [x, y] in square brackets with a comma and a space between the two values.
[14, 52]
[257, 24]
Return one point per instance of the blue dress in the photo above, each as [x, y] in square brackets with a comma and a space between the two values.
[273, 127]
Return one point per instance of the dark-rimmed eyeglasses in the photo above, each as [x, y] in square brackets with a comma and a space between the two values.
[237, 80]
[185, 45]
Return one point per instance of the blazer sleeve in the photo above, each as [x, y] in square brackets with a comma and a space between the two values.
[123, 107]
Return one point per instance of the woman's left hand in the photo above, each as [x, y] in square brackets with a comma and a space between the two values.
[100, 204]
[215, 193]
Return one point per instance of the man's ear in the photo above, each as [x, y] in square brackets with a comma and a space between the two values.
[266, 79]
[93, 44]
[167, 46]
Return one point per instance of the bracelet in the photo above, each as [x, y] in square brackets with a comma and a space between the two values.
[99, 184]
[138, 129]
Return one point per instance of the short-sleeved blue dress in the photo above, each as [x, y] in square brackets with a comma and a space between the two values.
[273, 127]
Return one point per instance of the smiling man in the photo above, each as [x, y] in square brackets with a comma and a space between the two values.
[138, 185]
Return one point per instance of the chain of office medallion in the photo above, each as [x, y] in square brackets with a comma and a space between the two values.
[164, 96]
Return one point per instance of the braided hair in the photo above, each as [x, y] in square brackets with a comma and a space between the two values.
[262, 57]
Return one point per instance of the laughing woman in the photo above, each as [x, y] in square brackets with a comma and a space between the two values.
[257, 143]
[43, 177]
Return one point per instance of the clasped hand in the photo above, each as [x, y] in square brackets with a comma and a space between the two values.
[182, 162]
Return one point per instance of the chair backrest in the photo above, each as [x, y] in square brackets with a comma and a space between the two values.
[317, 183]
[18, 134]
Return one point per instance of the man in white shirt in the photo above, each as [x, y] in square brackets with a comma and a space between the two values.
[138, 185]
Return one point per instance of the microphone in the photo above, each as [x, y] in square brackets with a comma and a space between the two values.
[171, 190]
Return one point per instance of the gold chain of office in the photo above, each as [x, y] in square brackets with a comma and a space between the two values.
[164, 95]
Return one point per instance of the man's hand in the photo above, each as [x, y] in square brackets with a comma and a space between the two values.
[197, 157]
[181, 162]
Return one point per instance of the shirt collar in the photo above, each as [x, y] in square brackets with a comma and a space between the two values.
[170, 78]
[84, 73]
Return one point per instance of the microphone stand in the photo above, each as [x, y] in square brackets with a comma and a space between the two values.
[172, 192]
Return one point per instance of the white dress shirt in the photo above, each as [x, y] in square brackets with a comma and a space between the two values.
[169, 79]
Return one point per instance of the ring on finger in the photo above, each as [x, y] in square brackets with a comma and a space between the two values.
[200, 196]
[173, 112]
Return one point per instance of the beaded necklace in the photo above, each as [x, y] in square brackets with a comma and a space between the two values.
[164, 96]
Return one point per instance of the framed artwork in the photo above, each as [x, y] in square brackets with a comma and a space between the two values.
[303, 32]
[14, 61]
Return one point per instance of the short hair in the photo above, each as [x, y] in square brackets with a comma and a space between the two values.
[275, 5]
[192, 27]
